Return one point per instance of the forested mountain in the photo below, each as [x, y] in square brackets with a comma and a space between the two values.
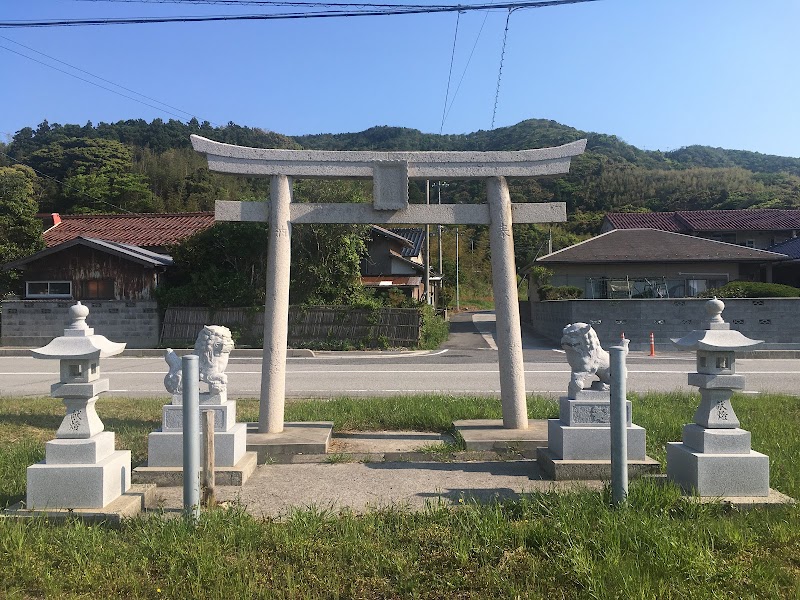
[140, 167]
[136, 166]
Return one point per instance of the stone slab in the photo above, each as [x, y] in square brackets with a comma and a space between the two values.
[138, 498]
[390, 185]
[718, 475]
[591, 443]
[772, 499]
[228, 158]
[79, 485]
[558, 469]
[224, 416]
[713, 381]
[311, 437]
[586, 412]
[237, 475]
[79, 390]
[716, 441]
[432, 214]
[165, 448]
[489, 434]
[79, 451]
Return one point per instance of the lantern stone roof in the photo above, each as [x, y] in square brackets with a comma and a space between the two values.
[718, 336]
[79, 340]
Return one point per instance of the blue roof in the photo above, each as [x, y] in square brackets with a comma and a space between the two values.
[416, 236]
[789, 247]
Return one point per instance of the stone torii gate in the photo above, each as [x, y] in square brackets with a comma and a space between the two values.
[390, 172]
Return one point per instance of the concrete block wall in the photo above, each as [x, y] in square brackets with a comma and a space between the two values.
[773, 320]
[33, 323]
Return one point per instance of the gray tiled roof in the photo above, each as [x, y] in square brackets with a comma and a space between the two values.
[651, 245]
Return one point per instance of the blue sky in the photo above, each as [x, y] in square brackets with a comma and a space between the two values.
[660, 74]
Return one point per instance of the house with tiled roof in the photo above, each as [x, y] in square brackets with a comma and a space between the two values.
[112, 262]
[754, 228]
[105, 257]
[394, 260]
[153, 231]
[652, 263]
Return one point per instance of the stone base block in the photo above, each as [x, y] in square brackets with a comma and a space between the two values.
[591, 443]
[165, 448]
[718, 475]
[296, 438]
[224, 416]
[137, 499]
[716, 441]
[75, 451]
[489, 434]
[79, 485]
[236, 475]
[558, 469]
[589, 409]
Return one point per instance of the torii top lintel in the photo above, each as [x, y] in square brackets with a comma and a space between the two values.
[390, 172]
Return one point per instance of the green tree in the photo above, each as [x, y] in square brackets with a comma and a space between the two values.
[20, 230]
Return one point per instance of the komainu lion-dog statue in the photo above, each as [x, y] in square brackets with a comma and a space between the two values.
[586, 357]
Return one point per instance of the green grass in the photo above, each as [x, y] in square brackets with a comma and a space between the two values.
[543, 545]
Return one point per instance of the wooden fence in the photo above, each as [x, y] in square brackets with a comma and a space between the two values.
[309, 326]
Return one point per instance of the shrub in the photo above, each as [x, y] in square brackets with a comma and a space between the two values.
[434, 330]
[561, 292]
[752, 289]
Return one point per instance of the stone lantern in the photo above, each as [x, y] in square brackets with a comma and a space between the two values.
[715, 458]
[81, 469]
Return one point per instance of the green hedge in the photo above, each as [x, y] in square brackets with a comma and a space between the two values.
[752, 289]
[561, 292]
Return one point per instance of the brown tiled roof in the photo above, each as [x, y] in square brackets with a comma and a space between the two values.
[665, 221]
[146, 230]
[651, 245]
[686, 221]
[764, 219]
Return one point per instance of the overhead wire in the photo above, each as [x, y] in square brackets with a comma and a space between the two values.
[91, 82]
[400, 10]
[450, 73]
[190, 115]
[469, 60]
[500, 70]
[82, 193]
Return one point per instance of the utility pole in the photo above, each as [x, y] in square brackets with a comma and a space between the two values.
[427, 257]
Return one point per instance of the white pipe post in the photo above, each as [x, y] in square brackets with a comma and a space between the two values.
[276, 308]
[506, 306]
[190, 367]
[619, 419]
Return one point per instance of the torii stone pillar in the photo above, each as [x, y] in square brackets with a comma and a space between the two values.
[390, 172]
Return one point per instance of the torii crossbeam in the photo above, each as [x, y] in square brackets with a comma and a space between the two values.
[390, 172]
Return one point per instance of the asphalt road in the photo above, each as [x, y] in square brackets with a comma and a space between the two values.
[466, 364]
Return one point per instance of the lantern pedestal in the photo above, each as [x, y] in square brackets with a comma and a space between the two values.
[82, 469]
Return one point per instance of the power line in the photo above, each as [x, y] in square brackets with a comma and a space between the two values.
[404, 10]
[500, 71]
[92, 82]
[450, 73]
[469, 60]
[96, 77]
[82, 193]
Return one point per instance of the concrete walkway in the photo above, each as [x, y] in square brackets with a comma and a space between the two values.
[407, 478]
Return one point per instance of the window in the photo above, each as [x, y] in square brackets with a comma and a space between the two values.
[48, 289]
[750, 243]
[98, 289]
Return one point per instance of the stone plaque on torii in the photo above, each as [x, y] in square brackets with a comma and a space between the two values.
[390, 172]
